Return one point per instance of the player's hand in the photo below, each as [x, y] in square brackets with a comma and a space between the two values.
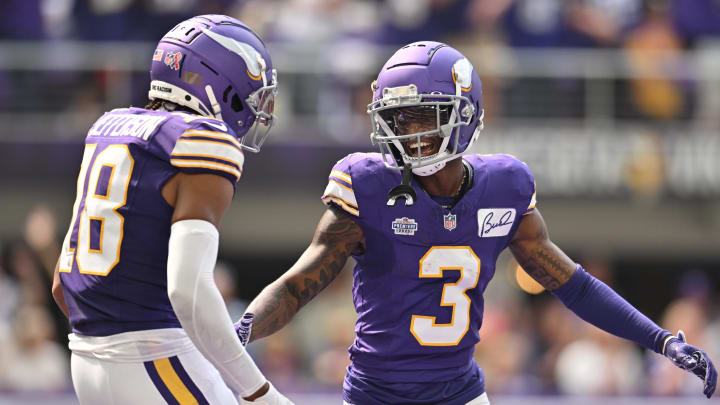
[271, 397]
[693, 359]
[243, 327]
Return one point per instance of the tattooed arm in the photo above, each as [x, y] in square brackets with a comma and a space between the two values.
[336, 237]
[588, 297]
[538, 255]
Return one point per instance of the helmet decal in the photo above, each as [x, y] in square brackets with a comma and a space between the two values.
[462, 74]
[254, 62]
[173, 59]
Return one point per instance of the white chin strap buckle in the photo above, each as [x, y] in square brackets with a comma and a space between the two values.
[429, 169]
[213, 102]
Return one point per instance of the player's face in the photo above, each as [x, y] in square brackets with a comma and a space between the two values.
[414, 120]
[428, 145]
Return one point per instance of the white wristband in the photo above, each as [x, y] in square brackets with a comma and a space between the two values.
[667, 339]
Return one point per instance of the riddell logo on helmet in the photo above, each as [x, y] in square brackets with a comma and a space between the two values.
[172, 59]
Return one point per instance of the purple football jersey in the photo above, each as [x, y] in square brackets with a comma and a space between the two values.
[418, 288]
[113, 264]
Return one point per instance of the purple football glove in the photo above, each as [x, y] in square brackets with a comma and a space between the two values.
[693, 359]
[243, 327]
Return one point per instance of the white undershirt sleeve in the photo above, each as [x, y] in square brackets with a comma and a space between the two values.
[200, 308]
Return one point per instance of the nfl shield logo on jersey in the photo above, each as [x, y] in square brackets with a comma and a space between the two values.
[450, 221]
[404, 226]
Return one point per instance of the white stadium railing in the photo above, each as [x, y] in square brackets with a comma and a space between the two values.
[588, 152]
[308, 72]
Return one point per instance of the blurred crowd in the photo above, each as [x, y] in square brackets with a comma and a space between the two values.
[530, 343]
[522, 23]
[653, 82]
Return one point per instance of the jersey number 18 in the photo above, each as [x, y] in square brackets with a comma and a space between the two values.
[102, 188]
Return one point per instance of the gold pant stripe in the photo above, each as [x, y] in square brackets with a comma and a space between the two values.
[172, 381]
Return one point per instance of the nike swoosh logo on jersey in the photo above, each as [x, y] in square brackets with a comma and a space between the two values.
[221, 127]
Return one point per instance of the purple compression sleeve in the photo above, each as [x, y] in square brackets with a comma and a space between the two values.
[596, 303]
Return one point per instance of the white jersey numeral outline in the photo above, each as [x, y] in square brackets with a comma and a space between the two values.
[102, 208]
[438, 259]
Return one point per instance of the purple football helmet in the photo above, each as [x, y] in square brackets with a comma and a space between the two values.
[218, 67]
[426, 76]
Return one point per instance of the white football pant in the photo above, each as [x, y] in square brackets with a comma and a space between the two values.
[129, 368]
[481, 400]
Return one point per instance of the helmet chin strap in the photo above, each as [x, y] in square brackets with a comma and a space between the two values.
[213, 102]
[430, 169]
[404, 190]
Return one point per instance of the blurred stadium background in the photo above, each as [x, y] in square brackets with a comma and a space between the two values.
[614, 105]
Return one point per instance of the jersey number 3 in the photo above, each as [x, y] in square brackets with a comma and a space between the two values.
[102, 188]
[436, 260]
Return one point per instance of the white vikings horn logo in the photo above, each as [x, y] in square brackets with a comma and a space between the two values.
[462, 73]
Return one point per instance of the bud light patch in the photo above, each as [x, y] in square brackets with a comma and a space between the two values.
[404, 226]
[172, 60]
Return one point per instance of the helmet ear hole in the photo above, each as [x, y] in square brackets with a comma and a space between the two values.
[225, 93]
[236, 104]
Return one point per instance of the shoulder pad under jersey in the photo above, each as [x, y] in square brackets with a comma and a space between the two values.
[513, 174]
[340, 189]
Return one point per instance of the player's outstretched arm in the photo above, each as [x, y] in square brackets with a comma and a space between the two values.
[538, 255]
[598, 304]
[199, 202]
[336, 237]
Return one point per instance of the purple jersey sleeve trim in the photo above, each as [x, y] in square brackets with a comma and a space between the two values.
[596, 303]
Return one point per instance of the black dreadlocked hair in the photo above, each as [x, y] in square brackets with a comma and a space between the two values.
[166, 105]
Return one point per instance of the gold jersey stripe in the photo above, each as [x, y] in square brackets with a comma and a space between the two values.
[344, 205]
[343, 186]
[212, 134]
[343, 176]
[205, 164]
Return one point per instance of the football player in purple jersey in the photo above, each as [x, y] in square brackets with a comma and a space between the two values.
[425, 249]
[135, 275]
